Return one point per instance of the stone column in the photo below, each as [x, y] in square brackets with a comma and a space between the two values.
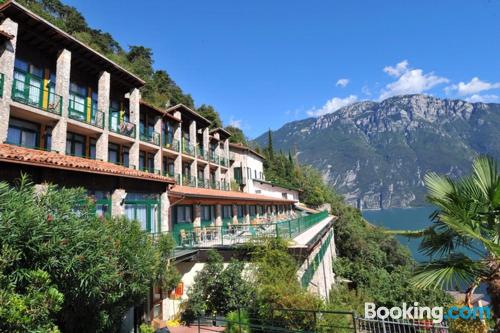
[197, 215]
[217, 175]
[226, 150]
[7, 60]
[235, 214]
[206, 140]
[103, 94]
[247, 214]
[63, 73]
[178, 137]
[158, 155]
[117, 199]
[165, 207]
[206, 173]
[134, 109]
[218, 215]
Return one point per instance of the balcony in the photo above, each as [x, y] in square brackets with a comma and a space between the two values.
[120, 126]
[202, 183]
[2, 80]
[30, 92]
[150, 137]
[187, 236]
[149, 170]
[188, 148]
[168, 174]
[214, 158]
[172, 145]
[188, 181]
[214, 185]
[224, 161]
[225, 186]
[78, 111]
[200, 153]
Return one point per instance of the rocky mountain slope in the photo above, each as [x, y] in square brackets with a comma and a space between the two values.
[376, 154]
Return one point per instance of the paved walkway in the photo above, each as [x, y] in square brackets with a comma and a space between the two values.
[304, 238]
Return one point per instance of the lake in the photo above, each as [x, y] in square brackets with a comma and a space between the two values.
[403, 219]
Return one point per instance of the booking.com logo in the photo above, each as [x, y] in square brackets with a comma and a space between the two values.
[437, 313]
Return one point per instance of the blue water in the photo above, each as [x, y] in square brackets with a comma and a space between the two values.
[403, 219]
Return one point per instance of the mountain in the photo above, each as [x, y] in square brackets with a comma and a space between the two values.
[376, 154]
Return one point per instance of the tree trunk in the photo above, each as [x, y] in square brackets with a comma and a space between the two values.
[494, 291]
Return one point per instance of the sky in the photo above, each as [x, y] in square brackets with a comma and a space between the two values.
[263, 63]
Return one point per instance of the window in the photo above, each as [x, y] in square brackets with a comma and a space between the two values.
[143, 208]
[255, 174]
[201, 174]
[207, 213]
[258, 191]
[284, 195]
[240, 210]
[92, 149]
[102, 202]
[125, 154]
[75, 144]
[48, 138]
[184, 214]
[252, 210]
[23, 133]
[113, 153]
[227, 211]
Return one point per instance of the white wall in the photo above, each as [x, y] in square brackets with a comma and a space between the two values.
[274, 191]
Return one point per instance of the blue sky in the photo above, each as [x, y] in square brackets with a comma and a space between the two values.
[262, 63]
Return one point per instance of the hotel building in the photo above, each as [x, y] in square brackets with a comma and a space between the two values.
[71, 117]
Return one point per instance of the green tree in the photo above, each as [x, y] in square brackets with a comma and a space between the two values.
[100, 267]
[270, 148]
[218, 290]
[237, 135]
[209, 112]
[465, 235]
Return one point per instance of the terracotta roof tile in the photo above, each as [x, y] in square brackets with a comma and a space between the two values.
[209, 193]
[22, 155]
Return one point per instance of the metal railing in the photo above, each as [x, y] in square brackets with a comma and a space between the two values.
[122, 127]
[36, 96]
[188, 148]
[172, 145]
[168, 174]
[214, 185]
[2, 80]
[201, 153]
[314, 264]
[214, 158]
[78, 111]
[149, 170]
[150, 137]
[228, 234]
[188, 181]
[202, 183]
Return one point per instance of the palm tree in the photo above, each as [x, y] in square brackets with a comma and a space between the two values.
[465, 233]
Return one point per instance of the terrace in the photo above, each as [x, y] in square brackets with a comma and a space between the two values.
[235, 232]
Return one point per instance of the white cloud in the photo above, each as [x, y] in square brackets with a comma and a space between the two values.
[342, 83]
[482, 98]
[410, 81]
[474, 86]
[397, 70]
[366, 90]
[333, 105]
[235, 122]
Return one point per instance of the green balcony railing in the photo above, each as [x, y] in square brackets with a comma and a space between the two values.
[214, 158]
[208, 235]
[149, 170]
[188, 181]
[188, 148]
[202, 183]
[78, 111]
[315, 263]
[120, 126]
[172, 145]
[150, 137]
[225, 186]
[34, 95]
[200, 153]
[2, 80]
[224, 162]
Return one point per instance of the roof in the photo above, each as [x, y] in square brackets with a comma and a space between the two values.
[194, 192]
[245, 148]
[277, 185]
[224, 134]
[27, 156]
[159, 110]
[301, 206]
[38, 26]
[198, 117]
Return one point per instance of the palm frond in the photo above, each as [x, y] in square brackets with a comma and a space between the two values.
[457, 271]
